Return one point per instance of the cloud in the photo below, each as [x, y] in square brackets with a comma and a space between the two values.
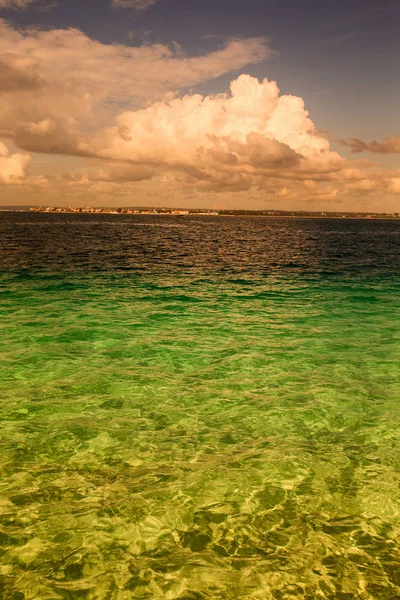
[139, 5]
[17, 74]
[226, 141]
[12, 166]
[390, 145]
[60, 90]
[113, 172]
[62, 76]
[394, 185]
[25, 4]
[15, 4]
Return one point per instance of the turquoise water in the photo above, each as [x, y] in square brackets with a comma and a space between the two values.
[192, 436]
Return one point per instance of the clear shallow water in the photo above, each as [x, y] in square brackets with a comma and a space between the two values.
[199, 408]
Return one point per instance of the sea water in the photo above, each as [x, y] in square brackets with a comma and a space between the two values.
[199, 408]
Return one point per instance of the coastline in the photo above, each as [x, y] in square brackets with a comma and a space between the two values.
[179, 213]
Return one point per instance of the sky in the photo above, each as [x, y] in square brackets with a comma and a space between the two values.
[257, 104]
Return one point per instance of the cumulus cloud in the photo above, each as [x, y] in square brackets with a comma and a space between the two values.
[390, 145]
[233, 140]
[12, 166]
[139, 5]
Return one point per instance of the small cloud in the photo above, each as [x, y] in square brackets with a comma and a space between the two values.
[26, 4]
[390, 145]
[15, 4]
[138, 5]
[12, 166]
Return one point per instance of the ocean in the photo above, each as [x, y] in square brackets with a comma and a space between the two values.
[199, 408]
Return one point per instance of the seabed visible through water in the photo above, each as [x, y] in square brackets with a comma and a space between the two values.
[179, 429]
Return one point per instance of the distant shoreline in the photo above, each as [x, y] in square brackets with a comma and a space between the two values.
[179, 213]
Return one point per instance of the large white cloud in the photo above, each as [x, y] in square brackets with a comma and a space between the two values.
[230, 140]
[58, 85]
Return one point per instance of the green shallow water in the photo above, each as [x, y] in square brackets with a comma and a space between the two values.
[183, 437]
